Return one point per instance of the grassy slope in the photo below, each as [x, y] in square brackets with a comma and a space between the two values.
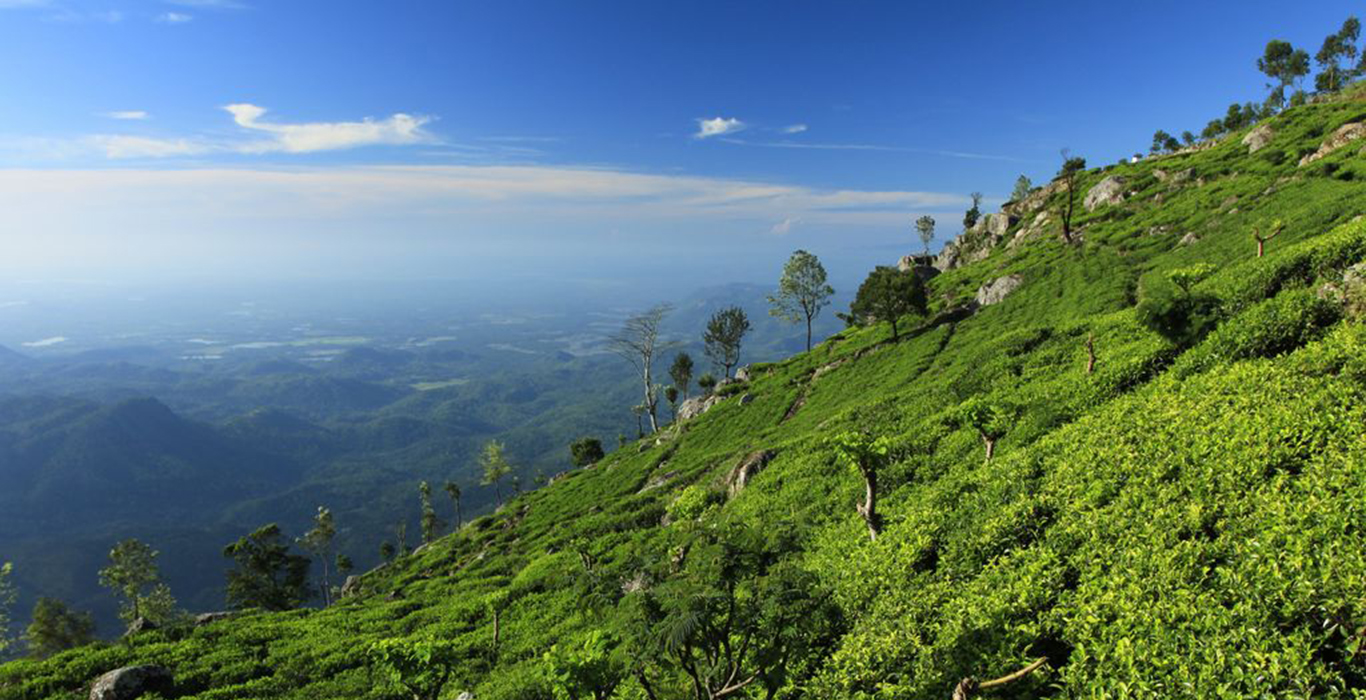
[1174, 525]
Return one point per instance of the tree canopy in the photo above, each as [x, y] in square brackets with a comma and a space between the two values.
[802, 291]
[887, 294]
[264, 573]
[721, 340]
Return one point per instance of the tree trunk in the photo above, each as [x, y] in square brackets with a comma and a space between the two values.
[495, 635]
[991, 446]
[808, 332]
[1090, 353]
[1261, 247]
[869, 508]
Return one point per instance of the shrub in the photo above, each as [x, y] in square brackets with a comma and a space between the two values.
[1172, 309]
[1270, 328]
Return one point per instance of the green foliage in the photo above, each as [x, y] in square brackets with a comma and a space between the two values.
[132, 574]
[1171, 309]
[265, 574]
[318, 542]
[55, 628]
[584, 671]
[861, 451]
[1275, 326]
[681, 372]
[693, 501]
[7, 596]
[721, 340]
[495, 467]
[887, 295]
[802, 291]
[925, 227]
[1023, 185]
[420, 668]
[706, 382]
[1284, 64]
[586, 451]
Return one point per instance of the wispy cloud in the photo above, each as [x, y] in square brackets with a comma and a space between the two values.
[271, 137]
[784, 227]
[128, 115]
[174, 18]
[541, 191]
[718, 126]
[118, 146]
[399, 129]
[873, 147]
[794, 129]
[73, 16]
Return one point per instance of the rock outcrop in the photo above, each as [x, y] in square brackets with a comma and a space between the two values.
[132, 682]
[351, 587]
[997, 290]
[747, 469]
[1258, 138]
[998, 224]
[1345, 134]
[696, 406]
[139, 626]
[209, 618]
[1109, 191]
[742, 374]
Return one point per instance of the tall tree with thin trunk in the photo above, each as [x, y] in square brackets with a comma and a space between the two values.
[925, 227]
[725, 330]
[1336, 48]
[638, 342]
[1283, 64]
[318, 542]
[802, 291]
[132, 573]
[681, 372]
[1022, 187]
[496, 467]
[430, 521]
[970, 217]
[1071, 167]
[453, 490]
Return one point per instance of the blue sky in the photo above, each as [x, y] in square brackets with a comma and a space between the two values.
[294, 137]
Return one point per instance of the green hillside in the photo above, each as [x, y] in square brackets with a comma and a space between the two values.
[1187, 520]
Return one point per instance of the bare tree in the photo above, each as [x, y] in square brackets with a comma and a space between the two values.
[638, 342]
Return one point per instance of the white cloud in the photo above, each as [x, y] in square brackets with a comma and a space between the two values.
[794, 129]
[309, 137]
[718, 126]
[398, 129]
[173, 18]
[107, 16]
[45, 342]
[128, 114]
[147, 147]
[784, 227]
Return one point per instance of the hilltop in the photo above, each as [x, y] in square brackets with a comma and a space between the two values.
[1169, 514]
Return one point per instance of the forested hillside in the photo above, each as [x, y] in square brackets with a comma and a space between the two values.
[1121, 453]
